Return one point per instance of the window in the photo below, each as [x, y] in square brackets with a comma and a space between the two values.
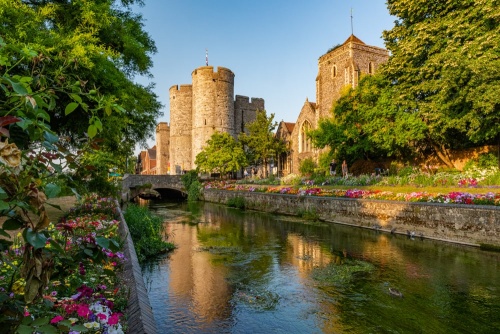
[370, 68]
[334, 71]
[305, 144]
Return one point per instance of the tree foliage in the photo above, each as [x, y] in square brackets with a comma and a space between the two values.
[221, 154]
[97, 45]
[66, 72]
[260, 142]
[445, 68]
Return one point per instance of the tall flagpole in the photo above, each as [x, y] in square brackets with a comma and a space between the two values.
[352, 28]
[206, 57]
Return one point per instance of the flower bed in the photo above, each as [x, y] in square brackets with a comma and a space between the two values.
[489, 198]
[83, 293]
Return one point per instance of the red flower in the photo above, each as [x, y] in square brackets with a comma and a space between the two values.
[56, 319]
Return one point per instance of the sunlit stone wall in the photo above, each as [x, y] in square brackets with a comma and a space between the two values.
[448, 222]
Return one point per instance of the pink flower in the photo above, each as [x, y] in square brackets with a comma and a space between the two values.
[114, 318]
[83, 310]
[101, 316]
[56, 319]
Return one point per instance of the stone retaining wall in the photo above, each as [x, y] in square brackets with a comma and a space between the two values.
[457, 223]
[140, 318]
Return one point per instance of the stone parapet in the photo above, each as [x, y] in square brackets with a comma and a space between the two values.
[465, 224]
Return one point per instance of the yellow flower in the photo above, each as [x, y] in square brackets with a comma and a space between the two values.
[92, 324]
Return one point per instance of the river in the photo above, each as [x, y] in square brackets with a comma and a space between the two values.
[240, 271]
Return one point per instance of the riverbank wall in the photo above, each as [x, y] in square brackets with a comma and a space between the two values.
[465, 224]
[140, 318]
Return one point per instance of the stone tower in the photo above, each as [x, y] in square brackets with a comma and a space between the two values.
[344, 65]
[213, 105]
[181, 116]
[200, 109]
[162, 148]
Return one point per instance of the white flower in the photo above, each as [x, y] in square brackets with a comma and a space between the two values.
[115, 329]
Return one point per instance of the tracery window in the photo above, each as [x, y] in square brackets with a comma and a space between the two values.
[305, 144]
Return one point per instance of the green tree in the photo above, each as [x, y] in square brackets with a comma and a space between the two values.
[221, 154]
[98, 46]
[445, 70]
[364, 123]
[260, 141]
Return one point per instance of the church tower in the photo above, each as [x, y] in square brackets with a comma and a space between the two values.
[344, 65]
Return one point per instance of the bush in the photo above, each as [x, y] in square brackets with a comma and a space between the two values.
[98, 184]
[308, 214]
[484, 161]
[236, 202]
[194, 191]
[292, 179]
[188, 178]
[146, 230]
[307, 166]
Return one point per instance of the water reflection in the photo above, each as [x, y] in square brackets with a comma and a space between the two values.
[248, 272]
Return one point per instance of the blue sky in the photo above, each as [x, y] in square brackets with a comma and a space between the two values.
[272, 46]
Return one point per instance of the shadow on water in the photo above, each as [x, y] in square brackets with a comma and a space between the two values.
[248, 272]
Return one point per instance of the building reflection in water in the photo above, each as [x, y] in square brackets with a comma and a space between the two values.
[195, 280]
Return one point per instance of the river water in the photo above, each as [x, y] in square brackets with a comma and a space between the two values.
[249, 272]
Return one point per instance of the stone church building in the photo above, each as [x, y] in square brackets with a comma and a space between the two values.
[207, 105]
[341, 66]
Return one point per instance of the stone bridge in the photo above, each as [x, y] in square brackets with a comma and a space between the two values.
[164, 184]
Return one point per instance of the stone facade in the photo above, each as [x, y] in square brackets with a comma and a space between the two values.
[181, 100]
[342, 66]
[162, 152]
[302, 147]
[199, 110]
[284, 133]
[339, 68]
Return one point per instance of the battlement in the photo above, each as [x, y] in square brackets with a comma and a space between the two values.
[254, 103]
[162, 126]
[222, 73]
[182, 89]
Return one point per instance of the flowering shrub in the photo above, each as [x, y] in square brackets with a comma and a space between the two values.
[83, 293]
[467, 182]
[489, 198]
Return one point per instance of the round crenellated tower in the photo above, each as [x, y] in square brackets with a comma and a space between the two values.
[181, 112]
[212, 105]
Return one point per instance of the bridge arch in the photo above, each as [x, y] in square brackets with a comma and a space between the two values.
[164, 184]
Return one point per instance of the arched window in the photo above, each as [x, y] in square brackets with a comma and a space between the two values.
[370, 68]
[334, 71]
[305, 144]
